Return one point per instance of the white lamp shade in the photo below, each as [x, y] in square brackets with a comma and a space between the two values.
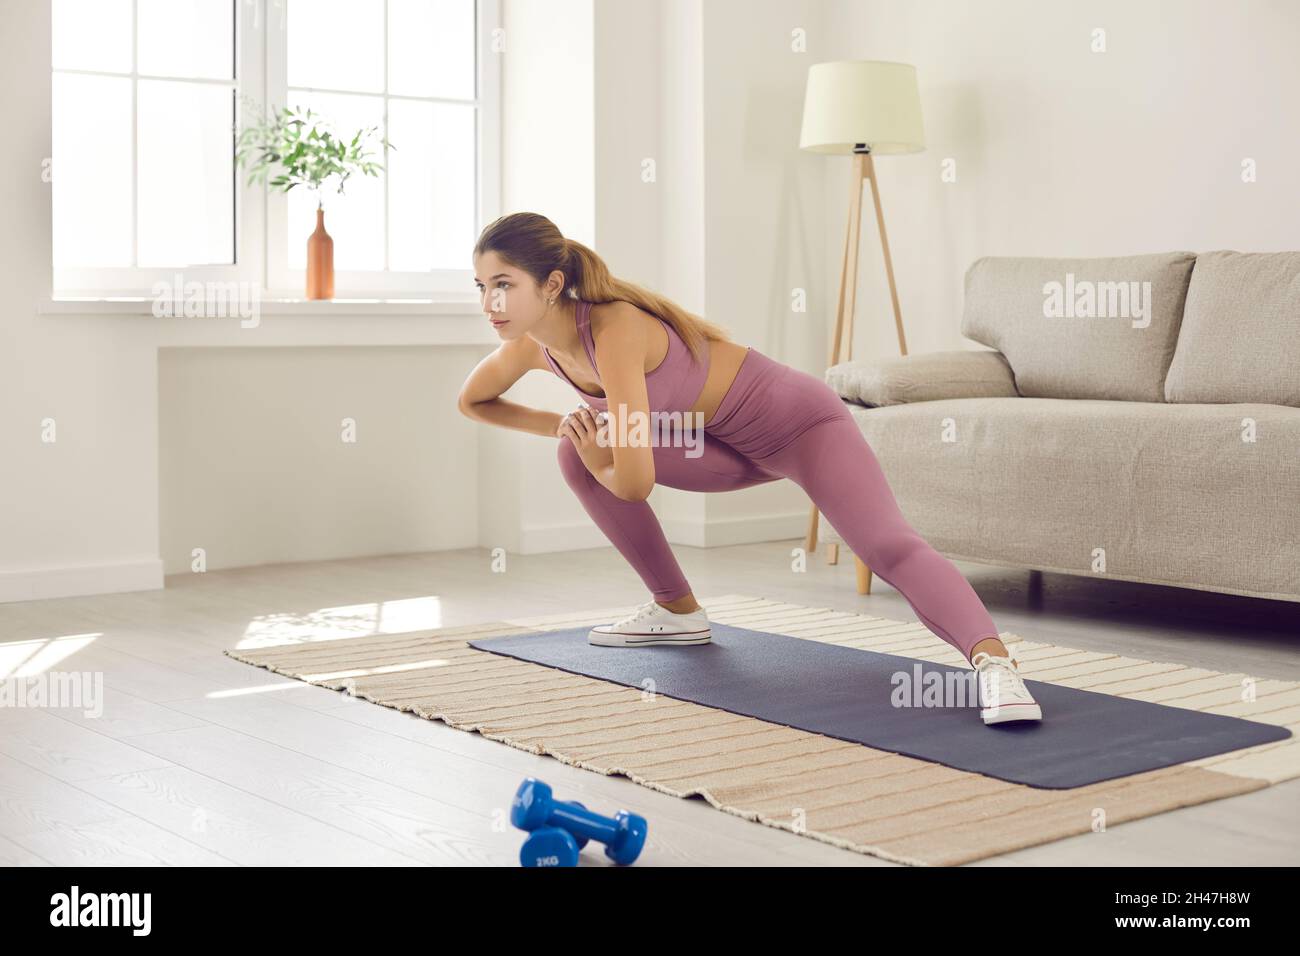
[851, 102]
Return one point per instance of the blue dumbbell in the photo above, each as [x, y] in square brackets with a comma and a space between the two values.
[582, 840]
[534, 807]
[552, 846]
[549, 846]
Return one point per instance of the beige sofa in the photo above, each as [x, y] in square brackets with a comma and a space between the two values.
[1138, 418]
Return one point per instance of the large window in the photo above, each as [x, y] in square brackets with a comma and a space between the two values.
[143, 98]
[147, 96]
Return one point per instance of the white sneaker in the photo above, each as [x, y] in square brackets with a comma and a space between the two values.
[652, 623]
[1002, 693]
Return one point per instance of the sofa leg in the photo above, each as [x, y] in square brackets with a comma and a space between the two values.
[864, 576]
[832, 552]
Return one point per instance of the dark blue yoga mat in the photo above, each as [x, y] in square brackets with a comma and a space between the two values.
[845, 693]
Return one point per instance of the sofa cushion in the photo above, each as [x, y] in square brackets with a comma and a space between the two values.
[1081, 328]
[1176, 494]
[927, 377]
[1240, 338]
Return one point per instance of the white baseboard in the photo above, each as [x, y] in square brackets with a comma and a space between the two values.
[38, 584]
[712, 533]
[575, 536]
[720, 532]
[147, 574]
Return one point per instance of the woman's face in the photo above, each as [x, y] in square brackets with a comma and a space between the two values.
[511, 299]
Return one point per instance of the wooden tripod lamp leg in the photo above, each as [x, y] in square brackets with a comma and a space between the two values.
[810, 542]
[844, 307]
[884, 246]
[864, 576]
[864, 168]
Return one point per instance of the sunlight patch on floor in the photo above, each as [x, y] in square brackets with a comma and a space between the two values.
[29, 658]
[342, 623]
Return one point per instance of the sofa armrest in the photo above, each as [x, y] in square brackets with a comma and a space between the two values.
[928, 377]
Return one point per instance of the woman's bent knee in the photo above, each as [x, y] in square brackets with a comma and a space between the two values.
[572, 467]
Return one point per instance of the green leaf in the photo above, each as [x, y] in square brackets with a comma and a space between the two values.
[300, 147]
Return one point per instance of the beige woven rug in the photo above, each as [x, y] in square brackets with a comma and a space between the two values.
[871, 801]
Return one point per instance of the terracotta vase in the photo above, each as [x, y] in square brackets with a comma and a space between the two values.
[320, 261]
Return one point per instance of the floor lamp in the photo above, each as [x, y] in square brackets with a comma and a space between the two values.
[860, 108]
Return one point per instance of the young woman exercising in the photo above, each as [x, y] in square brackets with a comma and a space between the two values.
[630, 353]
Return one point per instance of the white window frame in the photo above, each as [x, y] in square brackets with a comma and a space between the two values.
[283, 281]
[249, 212]
[261, 214]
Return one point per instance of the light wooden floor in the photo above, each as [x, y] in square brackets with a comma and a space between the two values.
[199, 759]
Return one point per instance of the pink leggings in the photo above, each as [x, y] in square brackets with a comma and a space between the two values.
[779, 422]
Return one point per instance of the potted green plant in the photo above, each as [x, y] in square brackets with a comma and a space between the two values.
[297, 147]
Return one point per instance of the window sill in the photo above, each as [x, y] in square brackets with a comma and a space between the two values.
[294, 322]
[142, 306]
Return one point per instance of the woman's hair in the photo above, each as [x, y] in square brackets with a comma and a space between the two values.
[531, 242]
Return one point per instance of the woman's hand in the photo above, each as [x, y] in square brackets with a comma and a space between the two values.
[589, 437]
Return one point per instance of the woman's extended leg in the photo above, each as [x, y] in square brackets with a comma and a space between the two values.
[834, 464]
[774, 422]
[632, 526]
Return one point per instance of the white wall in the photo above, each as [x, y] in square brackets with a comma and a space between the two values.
[677, 194]
[549, 146]
[87, 513]
[255, 468]
[87, 502]
[710, 93]
[764, 218]
[1064, 152]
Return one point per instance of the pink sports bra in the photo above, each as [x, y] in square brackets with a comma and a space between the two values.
[672, 386]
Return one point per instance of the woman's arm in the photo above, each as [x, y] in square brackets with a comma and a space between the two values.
[480, 399]
[620, 356]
